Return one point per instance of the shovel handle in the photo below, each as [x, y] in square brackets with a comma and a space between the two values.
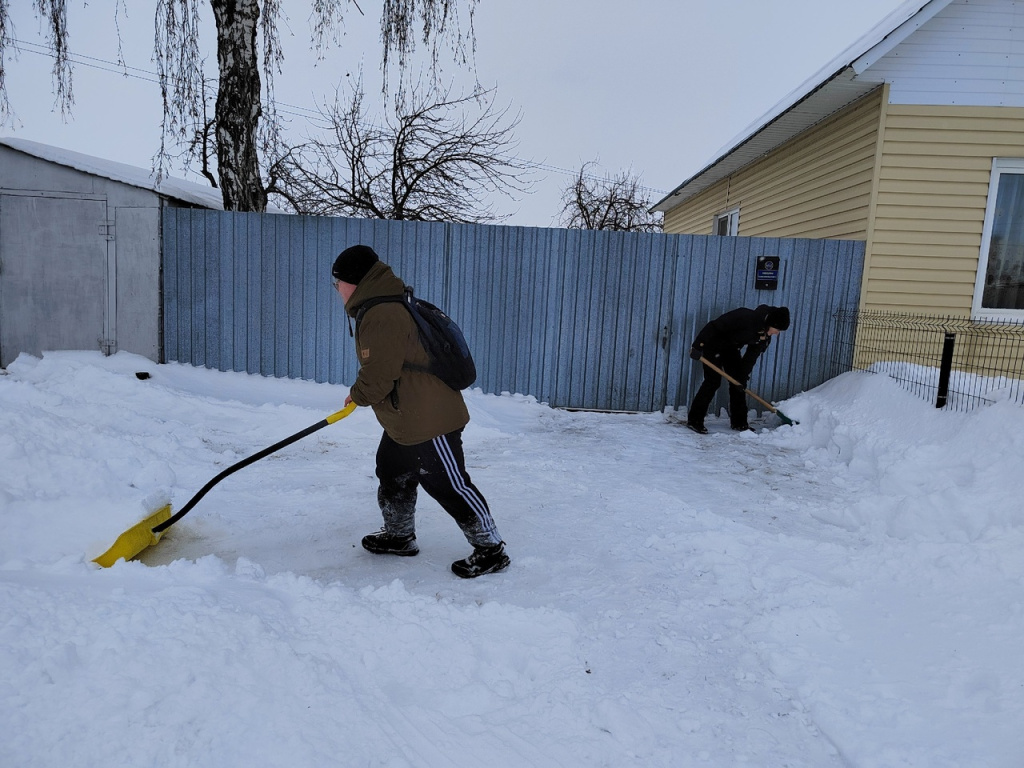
[337, 416]
[716, 369]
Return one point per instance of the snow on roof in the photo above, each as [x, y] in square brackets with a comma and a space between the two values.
[178, 189]
[831, 88]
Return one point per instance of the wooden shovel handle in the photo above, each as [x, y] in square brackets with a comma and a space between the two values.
[754, 395]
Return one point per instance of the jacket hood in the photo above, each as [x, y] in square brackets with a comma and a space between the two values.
[379, 281]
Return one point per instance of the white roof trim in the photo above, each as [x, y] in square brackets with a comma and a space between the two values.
[831, 88]
[906, 28]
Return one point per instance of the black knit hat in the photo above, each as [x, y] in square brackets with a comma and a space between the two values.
[353, 263]
[778, 317]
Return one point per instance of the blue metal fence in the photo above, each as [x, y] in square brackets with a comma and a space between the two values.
[576, 318]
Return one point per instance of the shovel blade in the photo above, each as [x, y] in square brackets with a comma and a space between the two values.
[137, 538]
[785, 419]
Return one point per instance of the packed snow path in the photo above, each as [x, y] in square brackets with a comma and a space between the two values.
[846, 592]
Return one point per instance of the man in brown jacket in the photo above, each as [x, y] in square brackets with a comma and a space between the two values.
[422, 417]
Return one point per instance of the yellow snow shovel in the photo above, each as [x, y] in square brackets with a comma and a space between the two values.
[765, 403]
[147, 532]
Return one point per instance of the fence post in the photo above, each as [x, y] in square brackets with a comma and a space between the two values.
[945, 369]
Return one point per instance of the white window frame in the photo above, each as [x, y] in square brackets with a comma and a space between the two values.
[1000, 165]
[732, 219]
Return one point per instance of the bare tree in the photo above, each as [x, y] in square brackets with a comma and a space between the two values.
[242, 133]
[619, 202]
[434, 159]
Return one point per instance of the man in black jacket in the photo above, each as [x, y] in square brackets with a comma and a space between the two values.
[720, 342]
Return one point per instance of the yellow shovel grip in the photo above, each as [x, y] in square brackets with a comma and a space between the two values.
[339, 415]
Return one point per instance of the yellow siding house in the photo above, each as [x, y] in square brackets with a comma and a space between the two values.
[911, 140]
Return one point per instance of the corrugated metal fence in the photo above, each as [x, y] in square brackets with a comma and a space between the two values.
[576, 318]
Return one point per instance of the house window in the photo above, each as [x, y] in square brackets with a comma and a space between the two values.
[727, 223]
[999, 290]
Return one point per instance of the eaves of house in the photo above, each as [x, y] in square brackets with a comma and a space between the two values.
[839, 83]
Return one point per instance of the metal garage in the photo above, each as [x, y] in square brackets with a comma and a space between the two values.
[80, 255]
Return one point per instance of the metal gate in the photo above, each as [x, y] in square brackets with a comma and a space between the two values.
[57, 293]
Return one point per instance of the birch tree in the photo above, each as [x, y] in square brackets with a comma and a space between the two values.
[248, 56]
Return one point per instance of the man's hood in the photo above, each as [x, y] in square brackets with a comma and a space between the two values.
[379, 281]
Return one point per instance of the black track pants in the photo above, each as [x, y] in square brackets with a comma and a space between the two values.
[439, 466]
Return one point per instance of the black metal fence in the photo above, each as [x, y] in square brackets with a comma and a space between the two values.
[955, 362]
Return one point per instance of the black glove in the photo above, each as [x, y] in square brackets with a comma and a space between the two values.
[696, 353]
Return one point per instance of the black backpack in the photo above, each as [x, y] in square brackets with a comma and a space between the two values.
[450, 358]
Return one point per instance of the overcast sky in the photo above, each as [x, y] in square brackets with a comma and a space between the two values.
[652, 86]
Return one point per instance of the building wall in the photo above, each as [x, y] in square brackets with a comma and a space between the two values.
[818, 185]
[923, 217]
[28, 173]
[934, 174]
[696, 215]
[125, 233]
[970, 53]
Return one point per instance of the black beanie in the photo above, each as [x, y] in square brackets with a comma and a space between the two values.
[778, 317]
[353, 263]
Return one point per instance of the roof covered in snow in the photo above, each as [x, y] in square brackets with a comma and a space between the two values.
[833, 87]
[177, 189]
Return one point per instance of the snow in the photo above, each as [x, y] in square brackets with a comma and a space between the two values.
[844, 592]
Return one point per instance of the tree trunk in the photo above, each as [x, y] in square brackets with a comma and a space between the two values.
[238, 105]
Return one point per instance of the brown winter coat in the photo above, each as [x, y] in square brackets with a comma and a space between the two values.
[412, 406]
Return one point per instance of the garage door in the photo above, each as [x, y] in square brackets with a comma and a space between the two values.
[53, 274]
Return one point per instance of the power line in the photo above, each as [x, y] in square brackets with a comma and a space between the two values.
[123, 69]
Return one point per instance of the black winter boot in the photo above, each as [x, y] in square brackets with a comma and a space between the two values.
[483, 560]
[384, 543]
